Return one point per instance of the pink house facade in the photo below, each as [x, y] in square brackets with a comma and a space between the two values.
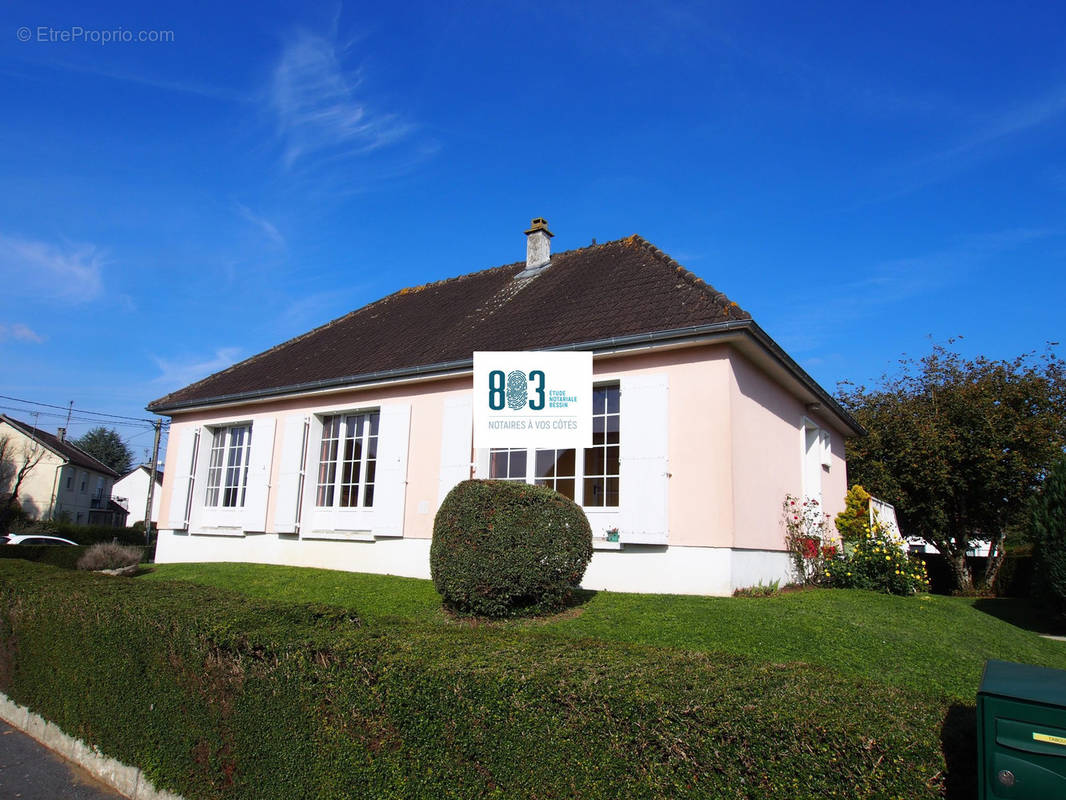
[701, 429]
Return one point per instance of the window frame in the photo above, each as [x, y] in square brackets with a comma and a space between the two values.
[580, 477]
[368, 427]
[219, 489]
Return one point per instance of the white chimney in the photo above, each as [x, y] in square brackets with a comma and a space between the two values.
[538, 246]
[61, 434]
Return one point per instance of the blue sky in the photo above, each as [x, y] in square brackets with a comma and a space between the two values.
[859, 177]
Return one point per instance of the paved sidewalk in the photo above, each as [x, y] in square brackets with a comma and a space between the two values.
[30, 771]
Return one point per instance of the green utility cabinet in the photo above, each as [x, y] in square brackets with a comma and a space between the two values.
[1021, 732]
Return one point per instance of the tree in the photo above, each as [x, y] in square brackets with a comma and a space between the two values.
[959, 446]
[1048, 530]
[15, 464]
[105, 445]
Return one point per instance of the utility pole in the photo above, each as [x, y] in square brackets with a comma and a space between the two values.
[151, 483]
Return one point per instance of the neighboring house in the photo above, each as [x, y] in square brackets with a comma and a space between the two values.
[335, 449]
[885, 514]
[66, 482]
[131, 493]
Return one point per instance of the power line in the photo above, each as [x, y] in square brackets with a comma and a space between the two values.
[80, 411]
[144, 424]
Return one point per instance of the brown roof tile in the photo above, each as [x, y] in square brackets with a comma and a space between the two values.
[614, 289]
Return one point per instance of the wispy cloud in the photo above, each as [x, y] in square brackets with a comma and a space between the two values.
[319, 109]
[19, 333]
[891, 282]
[69, 273]
[989, 136]
[177, 372]
[262, 223]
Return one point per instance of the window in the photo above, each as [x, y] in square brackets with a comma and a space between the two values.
[507, 465]
[558, 469]
[70, 480]
[347, 464]
[602, 459]
[227, 470]
[84, 482]
[815, 449]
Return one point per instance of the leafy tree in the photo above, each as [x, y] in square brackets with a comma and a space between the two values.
[1048, 531]
[15, 464]
[959, 446]
[106, 446]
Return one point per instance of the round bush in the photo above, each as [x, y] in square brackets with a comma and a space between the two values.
[506, 549]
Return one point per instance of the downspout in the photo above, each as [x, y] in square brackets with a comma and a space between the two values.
[55, 490]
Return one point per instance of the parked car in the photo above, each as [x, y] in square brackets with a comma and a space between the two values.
[18, 538]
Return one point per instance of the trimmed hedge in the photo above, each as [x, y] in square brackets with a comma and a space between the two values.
[57, 555]
[502, 548]
[216, 695]
[82, 534]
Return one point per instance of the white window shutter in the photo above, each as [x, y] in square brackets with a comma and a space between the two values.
[293, 455]
[481, 463]
[258, 487]
[644, 479]
[184, 461]
[455, 443]
[390, 489]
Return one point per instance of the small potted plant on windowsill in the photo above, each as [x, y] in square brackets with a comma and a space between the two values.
[612, 534]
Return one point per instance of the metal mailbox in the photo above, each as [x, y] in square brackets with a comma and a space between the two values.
[1021, 732]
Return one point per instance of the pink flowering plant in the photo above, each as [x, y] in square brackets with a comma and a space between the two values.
[810, 540]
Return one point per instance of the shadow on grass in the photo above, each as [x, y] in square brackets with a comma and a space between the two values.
[958, 742]
[1022, 613]
[573, 606]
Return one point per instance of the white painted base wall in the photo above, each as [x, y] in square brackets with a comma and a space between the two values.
[654, 569]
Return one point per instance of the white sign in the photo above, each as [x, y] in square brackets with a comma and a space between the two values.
[532, 399]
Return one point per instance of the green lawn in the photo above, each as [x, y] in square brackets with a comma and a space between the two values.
[932, 645]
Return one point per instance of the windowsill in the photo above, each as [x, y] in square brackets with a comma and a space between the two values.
[603, 544]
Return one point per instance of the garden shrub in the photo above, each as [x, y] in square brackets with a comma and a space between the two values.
[502, 548]
[759, 590]
[877, 561]
[106, 555]
[808, 538]
[853, 522]
[1048, 533]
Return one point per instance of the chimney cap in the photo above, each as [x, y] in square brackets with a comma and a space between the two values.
[539, 224]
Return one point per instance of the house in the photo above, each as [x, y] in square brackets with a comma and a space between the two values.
[131, 493]
[64, 482]
[335, 449]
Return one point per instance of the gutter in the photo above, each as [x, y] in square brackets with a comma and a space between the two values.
[731, 329]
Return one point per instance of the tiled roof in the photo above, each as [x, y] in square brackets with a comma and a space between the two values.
[72, 453]
[614, 289]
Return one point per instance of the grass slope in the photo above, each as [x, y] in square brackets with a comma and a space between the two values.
[219, 695]
[930, 644]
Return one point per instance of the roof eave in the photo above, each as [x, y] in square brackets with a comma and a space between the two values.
[731, 329]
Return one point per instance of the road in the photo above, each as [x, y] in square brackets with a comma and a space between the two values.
[30, 771]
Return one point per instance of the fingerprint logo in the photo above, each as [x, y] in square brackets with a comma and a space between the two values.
[516, 390]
